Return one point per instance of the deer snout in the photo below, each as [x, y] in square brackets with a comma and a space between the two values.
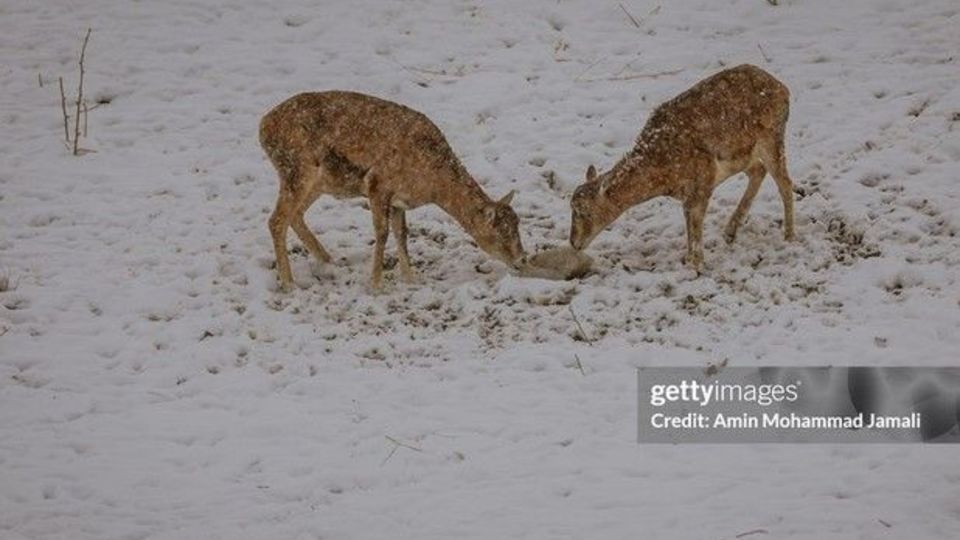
[577, 236]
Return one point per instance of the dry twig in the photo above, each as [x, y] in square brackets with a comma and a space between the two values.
[763, 53]
[579, 77]
[396, 445]
[63, 106]
[750, 533]
[629, 16]
[579, 364]
[76, 123]
[636, 76]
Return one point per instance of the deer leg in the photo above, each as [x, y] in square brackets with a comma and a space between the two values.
[309, 239]
[303, 231]
[398, 222]
[755, 174]
[778, 169]
[380, 208]
[278, 223]
[694, 211]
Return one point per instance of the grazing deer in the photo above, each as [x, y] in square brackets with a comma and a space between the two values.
[731, 122]
[346, 145]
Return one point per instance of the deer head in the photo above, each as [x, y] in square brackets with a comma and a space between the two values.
[591, 210]
[496, 230]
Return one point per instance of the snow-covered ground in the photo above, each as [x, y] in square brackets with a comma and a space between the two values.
[154, 384]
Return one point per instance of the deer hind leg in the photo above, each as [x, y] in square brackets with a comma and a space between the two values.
[694, 211]
[303, 231]
[398, 222]
[755, 174]
[380, 208]
[777, 164]
[278, 224]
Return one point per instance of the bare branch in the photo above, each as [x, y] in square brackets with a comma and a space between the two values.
[63, 106]
[76, 123]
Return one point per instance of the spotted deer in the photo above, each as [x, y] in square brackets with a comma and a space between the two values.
[731, 122]
[347, 144]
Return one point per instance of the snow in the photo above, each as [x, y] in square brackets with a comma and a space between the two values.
[154, 384]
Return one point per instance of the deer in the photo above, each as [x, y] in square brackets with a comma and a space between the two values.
[349, 145]
[731, 122]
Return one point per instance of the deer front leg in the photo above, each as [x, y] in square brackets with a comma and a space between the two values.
[398, 222]
[694, 211]
[380, 208]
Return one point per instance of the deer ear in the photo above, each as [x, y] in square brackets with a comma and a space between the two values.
[508, 197]
[591, 173]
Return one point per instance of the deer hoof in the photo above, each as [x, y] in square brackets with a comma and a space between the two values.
[694, 263]
[730, 235]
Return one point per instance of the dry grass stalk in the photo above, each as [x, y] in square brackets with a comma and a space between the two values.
[576, 320]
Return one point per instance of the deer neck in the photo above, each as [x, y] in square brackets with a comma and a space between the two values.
[632, 183]
[462, 198]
